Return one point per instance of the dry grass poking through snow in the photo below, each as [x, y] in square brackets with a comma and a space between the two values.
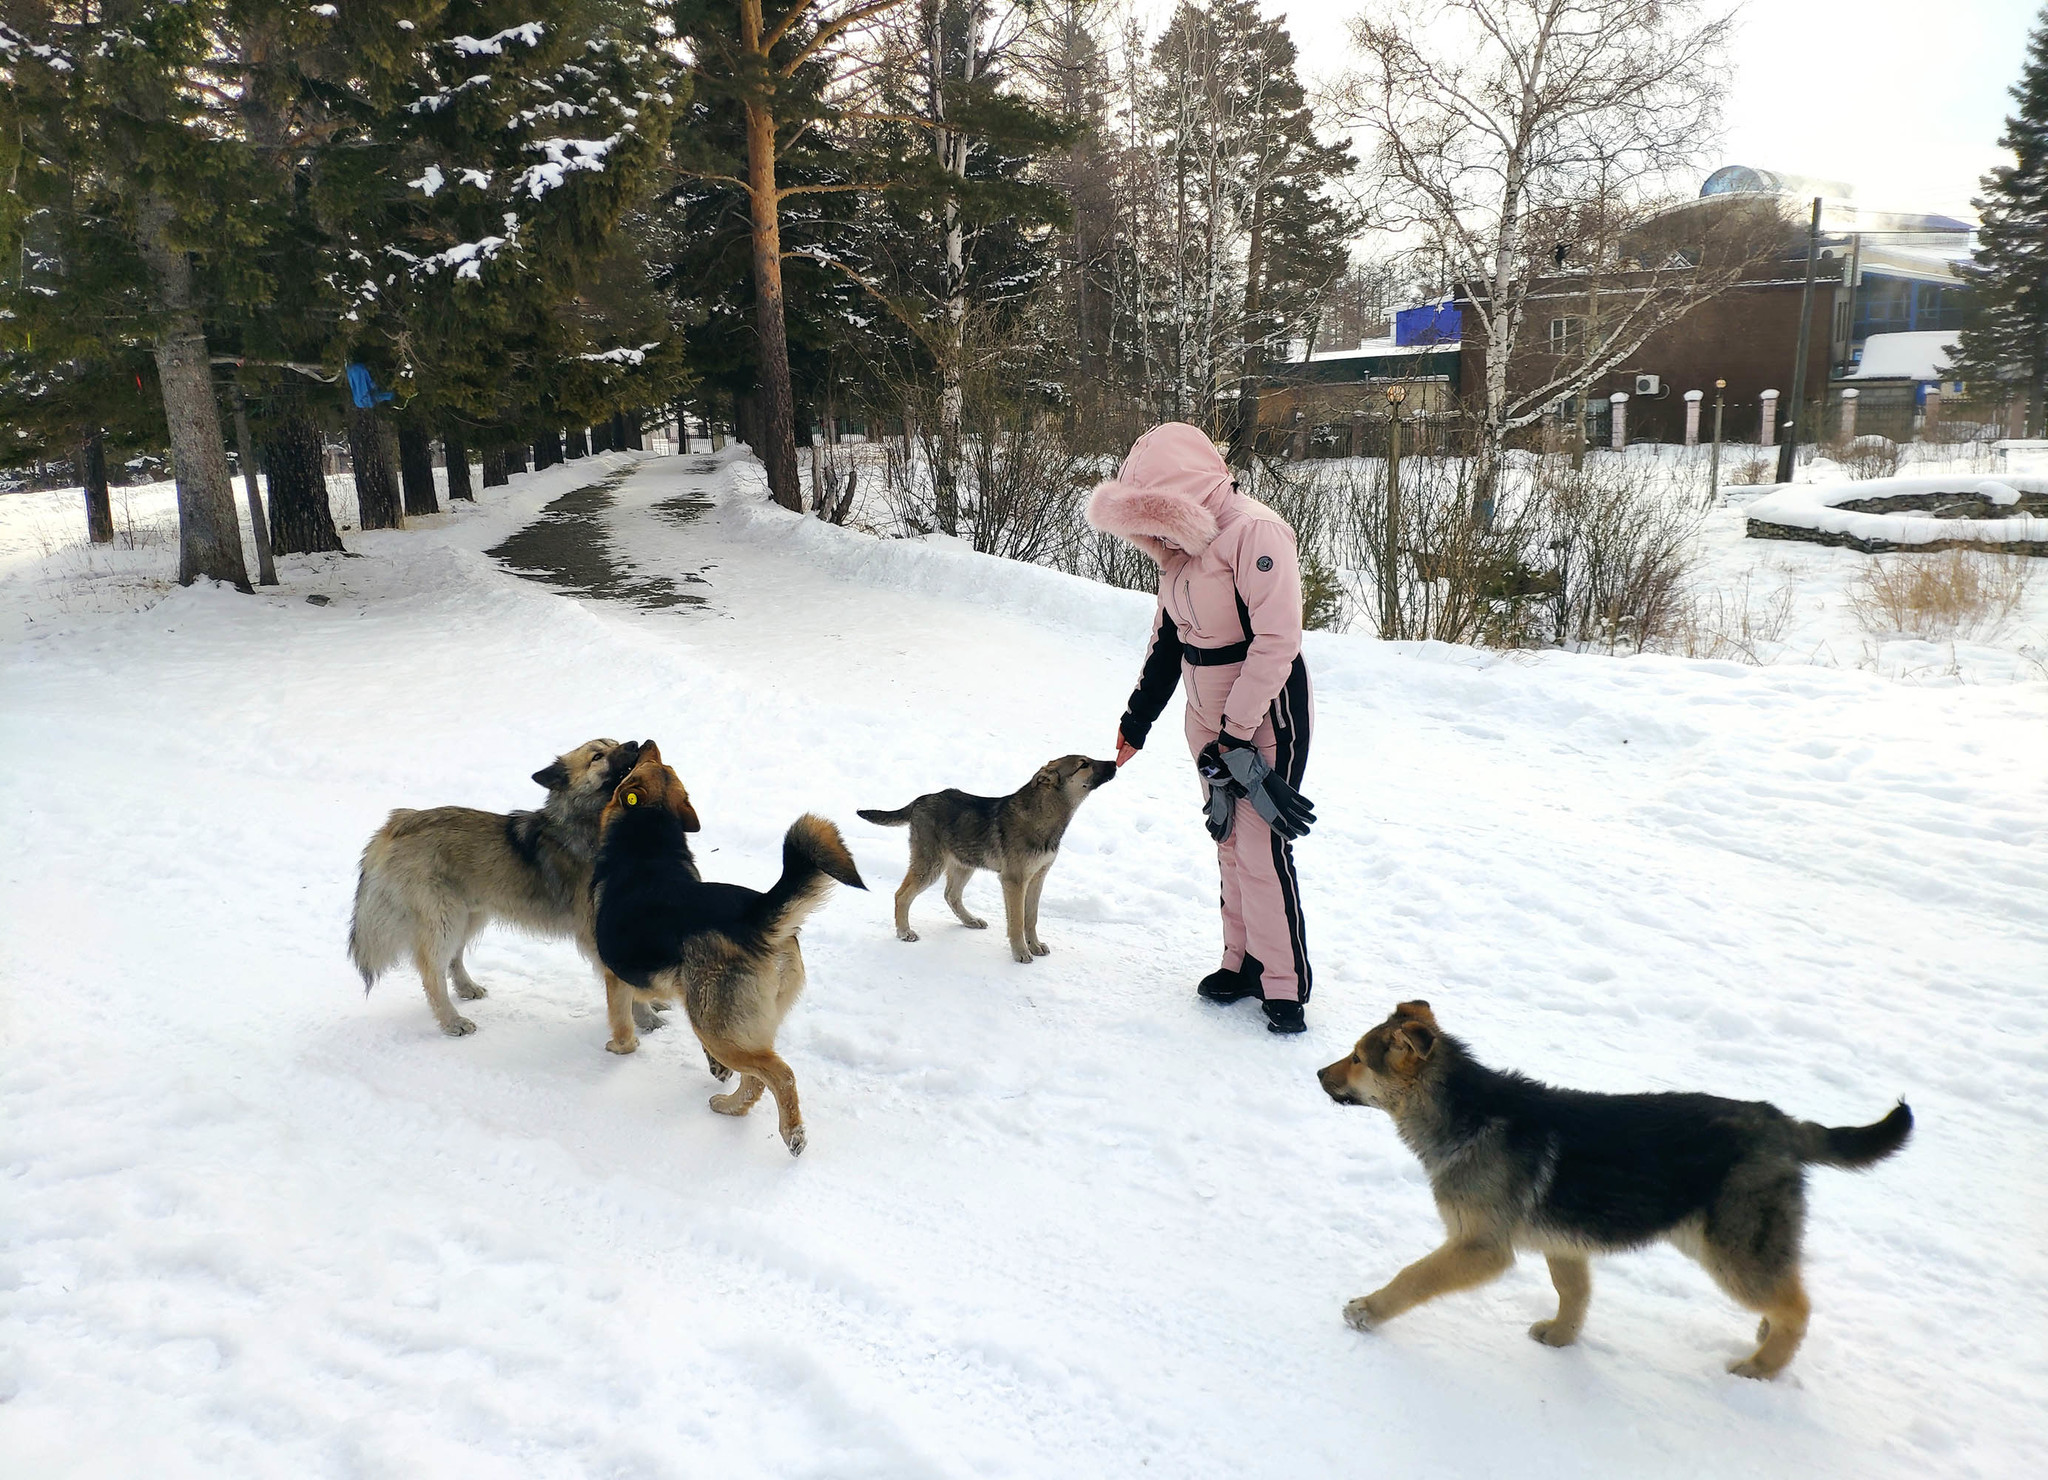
[1943, 594]
[1734, 624]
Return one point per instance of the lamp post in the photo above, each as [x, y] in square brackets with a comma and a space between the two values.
[1788, 452]
[1390, 569]
[1714, 460]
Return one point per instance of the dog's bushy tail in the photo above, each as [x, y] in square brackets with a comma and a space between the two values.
[813, 856]
[898, 818]
[1857, 1146]
[378, 935]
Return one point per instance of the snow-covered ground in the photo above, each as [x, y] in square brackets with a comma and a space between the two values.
[1054, 1220]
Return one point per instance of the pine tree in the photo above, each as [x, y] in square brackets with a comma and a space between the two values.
[123, 103]
[2005, 338]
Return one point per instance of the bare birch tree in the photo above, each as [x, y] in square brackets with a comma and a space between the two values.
[1493, 121]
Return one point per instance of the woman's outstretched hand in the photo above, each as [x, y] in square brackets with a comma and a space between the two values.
[1124, 749]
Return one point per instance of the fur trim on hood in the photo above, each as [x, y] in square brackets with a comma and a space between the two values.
[1171, 488]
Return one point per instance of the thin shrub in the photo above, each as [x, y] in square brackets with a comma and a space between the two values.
[1869, 457]
[1618, 548]
[1455, 579]
[1942, 594]
[1734, 624]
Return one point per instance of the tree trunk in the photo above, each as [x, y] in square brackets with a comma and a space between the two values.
[92, 472]
[630, 420]
[209, 533]
[455, 452]
[301, 523]
[579, 445]
[515, 457]
[416, 468]
[245, 450]
[1249, 375]
[601, 437]
[777, 446]
[496, 473]
[378, 505]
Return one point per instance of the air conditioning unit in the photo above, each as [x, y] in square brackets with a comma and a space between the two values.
[1649, 385]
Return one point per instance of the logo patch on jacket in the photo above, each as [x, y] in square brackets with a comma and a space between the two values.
[1265, 562]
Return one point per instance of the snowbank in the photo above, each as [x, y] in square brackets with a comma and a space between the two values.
[1886, 517]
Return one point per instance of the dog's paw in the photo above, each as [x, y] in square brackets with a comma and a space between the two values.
[973, 922]
[622, 1045]
[1023, 955]
[718, 1070]
[469, 991]
[1363, 1314]
[1751, 1367]
[458, 1027]
[1553, 1333]
[909, 935]
[644, 1018]
[731, 1103]
[795, 1140]
[1040, 948]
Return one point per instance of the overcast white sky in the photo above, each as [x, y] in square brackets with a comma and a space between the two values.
[1902, 99]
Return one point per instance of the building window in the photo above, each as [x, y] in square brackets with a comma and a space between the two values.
[1565, 336]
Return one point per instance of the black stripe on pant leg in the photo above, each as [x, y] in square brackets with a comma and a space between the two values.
[1290, 897]
[1290, 760]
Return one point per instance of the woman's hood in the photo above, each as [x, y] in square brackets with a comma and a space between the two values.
[1173, 487]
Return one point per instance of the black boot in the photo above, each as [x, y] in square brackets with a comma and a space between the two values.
[1283, 1016]
[1233, 986]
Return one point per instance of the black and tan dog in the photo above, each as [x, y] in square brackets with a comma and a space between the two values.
[729, 954]
[430, 880]
[1519, 1165]
[1016, 838]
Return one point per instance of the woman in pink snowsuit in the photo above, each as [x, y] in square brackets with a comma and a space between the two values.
[1229, 627]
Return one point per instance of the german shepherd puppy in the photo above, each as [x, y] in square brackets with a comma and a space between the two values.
[431, 880]
[727, 953]
[1519, 1165]
[1016, 838]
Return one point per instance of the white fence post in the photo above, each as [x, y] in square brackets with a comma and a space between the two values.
[1619, 401]
[1692, 417]
[1849, 414]
[1769, 412]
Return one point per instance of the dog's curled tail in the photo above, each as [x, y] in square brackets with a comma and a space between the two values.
[377, 937]
[1858, 1146]
[898, 818]
[813, 856]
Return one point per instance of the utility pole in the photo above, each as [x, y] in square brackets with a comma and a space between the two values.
[1714, 459]
[1789, 451]
[1390, 570]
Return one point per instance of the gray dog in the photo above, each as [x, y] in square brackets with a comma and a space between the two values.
[432, 879]
[1016, 838]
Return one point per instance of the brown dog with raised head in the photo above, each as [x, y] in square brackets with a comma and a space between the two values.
[727, 953]
[1515, 1164]
[1016, 838]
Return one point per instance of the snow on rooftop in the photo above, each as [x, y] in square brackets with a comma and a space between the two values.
[1918, 355]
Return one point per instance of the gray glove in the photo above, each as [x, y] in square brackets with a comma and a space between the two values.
[1219, 806]
[1286, 810]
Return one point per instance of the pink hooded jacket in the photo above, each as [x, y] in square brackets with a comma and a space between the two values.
[1227, 574]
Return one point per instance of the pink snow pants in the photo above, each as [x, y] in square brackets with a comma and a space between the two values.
[1261, 897]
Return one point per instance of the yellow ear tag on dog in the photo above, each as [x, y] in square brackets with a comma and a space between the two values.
[632, 798]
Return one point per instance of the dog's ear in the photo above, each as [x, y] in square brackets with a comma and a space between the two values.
[649, 751]
[1416, 1011]
[685, 812]
[1409, 1047]
[554, 776]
